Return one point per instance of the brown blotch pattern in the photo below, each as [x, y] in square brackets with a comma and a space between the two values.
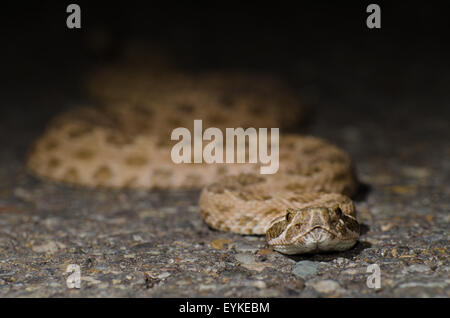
[119, 139]
[84, 154]
[162, 173]
[54, 163]
[51, 145]
[243, 220]
[205, 214]
[136, 161]
[216, 119]
[222, 207]
[186, 108]
[248, 179]
[227, 101]
[175, 122]
[103, 174]
[194, 180]
[294, 187]
[131, 182]
[77, 132]
[222, 170]
[270, 212]
[71, 175]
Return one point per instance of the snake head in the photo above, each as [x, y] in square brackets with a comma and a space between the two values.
[313, 229]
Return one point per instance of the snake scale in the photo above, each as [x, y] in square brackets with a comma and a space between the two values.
[123, 141]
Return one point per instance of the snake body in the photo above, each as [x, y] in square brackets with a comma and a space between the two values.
[124, 142]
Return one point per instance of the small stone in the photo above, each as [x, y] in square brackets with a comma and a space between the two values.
[91, 280]
[258, 267]
[147, 214]
[305, 268]
[259, 284]
[206, 288]
[23, 194]
[164, 275]
[245, 258]
[416, 172]
[404, 189]
[387, 226]
[245, 248]
[326, 286]
[49, 247]
[353, 271]
[417, 268]
[220, 243]
[441, 284]
[265, 251]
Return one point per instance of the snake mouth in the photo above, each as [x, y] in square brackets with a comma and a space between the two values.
[313, 235]
[317, 233]
[317, 239]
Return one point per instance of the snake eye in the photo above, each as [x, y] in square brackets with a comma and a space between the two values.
[289, 215]
[298, 226]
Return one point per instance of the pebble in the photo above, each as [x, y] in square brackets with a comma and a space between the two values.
[416, 172]
[163, 275]
[305, 268]
[353, 271]
[49, 247]
[417, 268]
[245, 258]
[259, 284]
[265, 251]
[90, 280]
[259, 266]
[326, 286]
[206, 288]
[220, 243]
[441, 284]
[245, 248]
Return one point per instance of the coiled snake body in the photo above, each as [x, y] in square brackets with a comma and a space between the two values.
[303, 208]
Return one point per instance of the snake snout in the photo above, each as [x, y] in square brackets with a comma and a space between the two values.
[317, 235]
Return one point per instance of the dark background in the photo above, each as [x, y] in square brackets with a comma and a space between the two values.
[322, 48]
